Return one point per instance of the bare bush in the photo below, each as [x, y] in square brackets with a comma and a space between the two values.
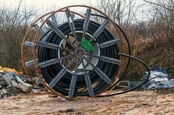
[13, 24]
[162, 21]
[161, 28]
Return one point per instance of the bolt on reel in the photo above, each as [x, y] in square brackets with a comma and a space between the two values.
[76, 51]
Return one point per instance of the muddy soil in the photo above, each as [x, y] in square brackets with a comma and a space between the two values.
[132, 103]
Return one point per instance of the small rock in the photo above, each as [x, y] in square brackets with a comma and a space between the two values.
[67, 110]
[53, 95]
[38, 81]
[3, 93]
[8, 77]
[11, 91]
[3, 83]
[35, 90]
[70, 110]
[1, 71]
[63, 99]
[0, 86]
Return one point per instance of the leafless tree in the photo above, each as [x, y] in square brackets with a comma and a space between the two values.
[121, 11]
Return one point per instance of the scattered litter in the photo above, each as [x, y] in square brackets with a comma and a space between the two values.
[158, 79]
[38, 81]
[70, 110]
[3, 93]
[13, 80]
[63, 99]
[0, 86]
[1, 71]
[128, 84]
[67, 110]
[35, 90]
[11, 84]
[53, 95]
[8, 77]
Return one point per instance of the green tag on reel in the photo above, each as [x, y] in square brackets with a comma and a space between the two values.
[87, 45]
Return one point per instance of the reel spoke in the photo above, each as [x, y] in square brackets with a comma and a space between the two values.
[106, 59]
[59, 32]
[48, 62]
[48, 45]
[42, 32]
[31, 62]
[100, 73]
[86, 21]
[73, 81]
[99, 30]
[60, 75]
[108, 43]
[71, 23]
[56, 30]
[52, 61]
[72, 85]
[57, 78]
[53, 19]
[88, 81]
[29, 44]
[88, 84]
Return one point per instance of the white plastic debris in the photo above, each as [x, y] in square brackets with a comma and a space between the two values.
[158, 76]
[8, 77]
[1, 71]
[158, 79]
[13, 80]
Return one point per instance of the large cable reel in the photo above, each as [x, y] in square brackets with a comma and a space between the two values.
[76, 51]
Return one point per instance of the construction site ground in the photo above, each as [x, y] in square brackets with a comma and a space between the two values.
[132, 103]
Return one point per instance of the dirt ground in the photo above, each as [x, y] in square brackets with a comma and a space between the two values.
[132, 103]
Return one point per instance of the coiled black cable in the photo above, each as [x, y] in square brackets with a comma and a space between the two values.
[109, 69]
[50, 72]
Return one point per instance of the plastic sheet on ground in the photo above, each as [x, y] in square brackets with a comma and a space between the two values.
[158, 79]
